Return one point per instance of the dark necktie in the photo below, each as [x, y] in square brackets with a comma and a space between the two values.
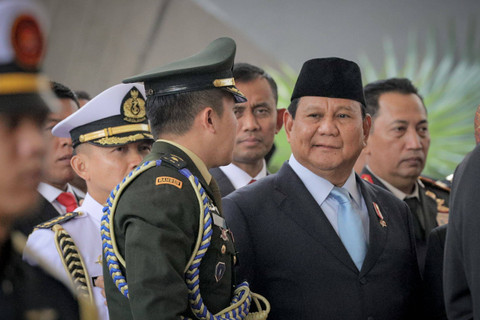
[414, 204]
[68, 200]
[350, 228]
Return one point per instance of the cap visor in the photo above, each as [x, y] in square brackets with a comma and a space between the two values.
[237, 95]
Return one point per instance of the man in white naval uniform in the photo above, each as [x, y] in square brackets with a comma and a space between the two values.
[110, 136]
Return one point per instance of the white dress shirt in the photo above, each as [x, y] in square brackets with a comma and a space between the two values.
[320, 188]
[50, 193]
[240, 178]
[397, 192]
[85, 232]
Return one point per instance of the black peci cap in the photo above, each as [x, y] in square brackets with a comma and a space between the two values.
[331, 78]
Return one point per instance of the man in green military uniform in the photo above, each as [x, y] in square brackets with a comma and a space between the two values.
[155, 223]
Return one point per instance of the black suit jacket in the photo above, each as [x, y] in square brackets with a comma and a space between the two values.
[290, 253]
[226, 187]
[43, 212]
[462, 258]
[421, 229]
[433, 274]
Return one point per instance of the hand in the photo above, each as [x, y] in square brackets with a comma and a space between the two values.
[101, 284]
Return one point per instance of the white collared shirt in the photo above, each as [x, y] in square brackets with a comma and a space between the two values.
[240, 178]
[50, 193]
[85, 232]
[398, 193]
[320, 189]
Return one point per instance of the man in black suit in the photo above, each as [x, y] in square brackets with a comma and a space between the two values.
[313, 253]
[462, 261]
[57, 196]
[397, 152]
[258, 121]
[433, 274]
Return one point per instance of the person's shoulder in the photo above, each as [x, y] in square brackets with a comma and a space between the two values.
[164, 170]
[59, 220]
[39, 291]
[432, 184]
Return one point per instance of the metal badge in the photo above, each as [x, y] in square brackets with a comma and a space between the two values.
[379, 215]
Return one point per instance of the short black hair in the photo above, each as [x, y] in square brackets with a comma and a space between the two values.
[82, 95]
[63, 92]
[245, 72]
[374, 90]
[175, 113]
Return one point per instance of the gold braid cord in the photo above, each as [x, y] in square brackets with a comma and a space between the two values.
[73, 262]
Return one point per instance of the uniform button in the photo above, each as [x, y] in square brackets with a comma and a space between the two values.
[363, 281]
[224, 249]
[234, 260]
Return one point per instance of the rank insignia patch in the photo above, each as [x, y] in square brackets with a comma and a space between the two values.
[220, 271]
[169, 180]
[133, 107]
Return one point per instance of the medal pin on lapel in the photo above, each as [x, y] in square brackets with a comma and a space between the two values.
[379, 215]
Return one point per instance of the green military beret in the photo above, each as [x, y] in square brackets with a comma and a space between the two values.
[208, 69]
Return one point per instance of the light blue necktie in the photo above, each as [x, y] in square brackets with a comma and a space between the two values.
[350, 228]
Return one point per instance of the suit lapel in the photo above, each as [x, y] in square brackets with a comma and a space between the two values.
[296, 202]
[377, 232]
[226, 186]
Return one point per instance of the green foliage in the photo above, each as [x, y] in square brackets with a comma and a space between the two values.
[285, 80]
[448, 80]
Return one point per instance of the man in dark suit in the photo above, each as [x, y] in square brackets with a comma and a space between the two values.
[462, 261]
[433, 274]
[396, 154]
[313, 253]
[258, 120]
[57, 196]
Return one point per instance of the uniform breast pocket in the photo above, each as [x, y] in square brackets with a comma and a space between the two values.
[220, 254]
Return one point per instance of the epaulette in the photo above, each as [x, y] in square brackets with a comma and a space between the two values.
[435, 184]
[57, 220]
[173, 160]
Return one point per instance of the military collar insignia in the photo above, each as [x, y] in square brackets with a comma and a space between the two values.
[133, 107]
[367, 177]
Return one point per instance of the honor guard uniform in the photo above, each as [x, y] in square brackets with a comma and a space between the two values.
[71, 243]
[26, 292]
[168, 252]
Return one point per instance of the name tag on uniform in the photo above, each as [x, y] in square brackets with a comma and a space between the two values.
[219, 221]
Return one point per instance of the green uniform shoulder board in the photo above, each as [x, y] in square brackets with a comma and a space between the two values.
[435, 184]
[173, 160]
[57, 220]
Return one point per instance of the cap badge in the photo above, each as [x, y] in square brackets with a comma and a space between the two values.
[28, 41]
[133, 107]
